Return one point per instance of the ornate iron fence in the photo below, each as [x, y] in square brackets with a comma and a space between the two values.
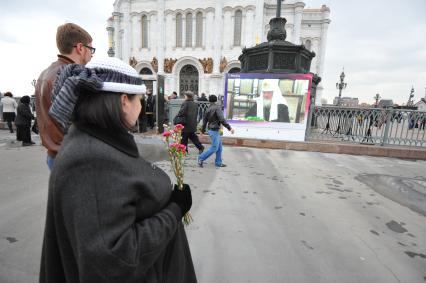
[174, 105]
[371, 126]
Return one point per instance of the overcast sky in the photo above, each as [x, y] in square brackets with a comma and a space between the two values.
[380, 43]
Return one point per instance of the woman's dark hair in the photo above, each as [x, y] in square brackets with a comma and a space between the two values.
[101, 109]
[8, 94]
[25, 99]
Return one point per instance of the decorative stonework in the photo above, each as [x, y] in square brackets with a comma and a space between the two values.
[154, 64]
[223, 63]
[207, 65]
[133, 62]
[168, 64]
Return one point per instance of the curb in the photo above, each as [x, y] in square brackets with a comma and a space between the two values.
[351, 149]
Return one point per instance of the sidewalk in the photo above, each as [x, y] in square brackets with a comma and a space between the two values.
[269, 216]
[318, 146]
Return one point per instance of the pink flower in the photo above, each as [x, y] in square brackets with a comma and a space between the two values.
[182, 147]
[166, 134]
[179, 127]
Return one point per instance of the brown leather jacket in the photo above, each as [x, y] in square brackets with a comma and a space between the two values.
[50, 134]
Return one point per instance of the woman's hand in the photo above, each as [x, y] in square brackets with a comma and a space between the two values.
[182, 198]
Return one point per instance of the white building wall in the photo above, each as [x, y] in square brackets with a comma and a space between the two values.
[218, 33]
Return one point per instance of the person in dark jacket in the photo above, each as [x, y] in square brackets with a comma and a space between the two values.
[23, 121]
[201, 109]
[111, 215]
[188, 112]
[150, 109]
[213, 118]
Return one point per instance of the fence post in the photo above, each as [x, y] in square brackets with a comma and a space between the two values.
[308, 124]
[387, 127]
[174, 107]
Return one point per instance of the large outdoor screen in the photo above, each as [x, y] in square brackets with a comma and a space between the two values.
[268, 106]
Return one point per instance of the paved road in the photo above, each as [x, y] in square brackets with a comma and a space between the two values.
[270, 216]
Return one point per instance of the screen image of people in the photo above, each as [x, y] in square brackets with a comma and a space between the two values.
[267, 99]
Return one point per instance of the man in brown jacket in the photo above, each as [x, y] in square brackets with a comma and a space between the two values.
[75, 46]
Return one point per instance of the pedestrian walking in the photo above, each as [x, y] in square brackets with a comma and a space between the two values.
[214, 118]
[75, 46]
[150, 109]
[9, 109]
[187, 116]
[422, 122]
[201, 108]
[142, 117]
[111, 215]
[23, 121]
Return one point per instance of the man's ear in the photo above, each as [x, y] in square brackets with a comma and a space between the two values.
[79, 48]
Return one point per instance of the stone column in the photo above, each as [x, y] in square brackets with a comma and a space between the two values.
[203, 42]
[314, 63]
[170, 33]
[194, 29]
[218, 23]
[127, 30]
[183, 31]
[249, 23]
[161, 36]
[323, 45]
[227, 39]
[298, 10]
[321, 52]
[258, 21]
[134, 34]
[110, 29]
[243, 27]
[116, 16]
[138, 33]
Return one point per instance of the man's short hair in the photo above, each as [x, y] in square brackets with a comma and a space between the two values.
[189, 93]
[212, 98]
[68, 35]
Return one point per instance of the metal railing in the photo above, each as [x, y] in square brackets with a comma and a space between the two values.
[368, 125]
[174, 105]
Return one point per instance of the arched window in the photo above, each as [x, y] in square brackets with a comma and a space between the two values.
[308, 44]
[179, 30]
[145, 71]
[238, 19]
[188, 26]
[144, 22]
[199, 30]
[234, 70]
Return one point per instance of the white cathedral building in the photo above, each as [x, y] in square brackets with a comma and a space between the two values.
[195, 43]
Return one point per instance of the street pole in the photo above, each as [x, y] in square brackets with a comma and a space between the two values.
[340, 86]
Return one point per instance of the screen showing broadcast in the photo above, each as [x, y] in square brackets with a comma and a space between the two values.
[268, 97]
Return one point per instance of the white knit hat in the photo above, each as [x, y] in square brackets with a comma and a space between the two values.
[100, 75]
[112, 82]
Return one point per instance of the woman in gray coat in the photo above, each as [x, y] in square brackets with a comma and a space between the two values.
[111, 215]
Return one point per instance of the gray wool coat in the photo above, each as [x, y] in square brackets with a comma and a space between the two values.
[109, 218]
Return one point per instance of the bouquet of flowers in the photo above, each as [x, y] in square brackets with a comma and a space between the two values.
[176, 152]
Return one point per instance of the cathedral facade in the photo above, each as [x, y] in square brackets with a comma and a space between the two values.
[195, 43]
